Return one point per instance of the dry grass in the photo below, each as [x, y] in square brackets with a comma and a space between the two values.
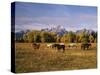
[47, 59]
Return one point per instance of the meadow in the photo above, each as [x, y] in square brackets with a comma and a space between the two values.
[48, 59]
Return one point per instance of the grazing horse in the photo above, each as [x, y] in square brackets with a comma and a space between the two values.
[72, 45]
[85, 46]
[35, 45]
[59, 46]
[49, 45]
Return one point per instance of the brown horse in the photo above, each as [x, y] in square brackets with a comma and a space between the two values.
[85, 46]
[35, 45]
[59, 46]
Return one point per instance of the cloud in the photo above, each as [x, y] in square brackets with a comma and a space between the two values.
[68, 22]
[33, 26]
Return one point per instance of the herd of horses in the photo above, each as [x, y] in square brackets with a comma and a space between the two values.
[61, 46]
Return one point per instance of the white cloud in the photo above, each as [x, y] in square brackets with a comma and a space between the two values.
[77, 21]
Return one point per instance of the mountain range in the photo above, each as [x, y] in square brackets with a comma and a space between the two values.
[59, 30]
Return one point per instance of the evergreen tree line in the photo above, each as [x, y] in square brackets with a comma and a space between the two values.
[47, 37]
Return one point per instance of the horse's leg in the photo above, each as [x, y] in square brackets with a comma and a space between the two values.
[84, 47]
[57, 48]
[81, 47]
[63, 49]
[69, 46]
[76, 46]
[87, 47]
[38, 48]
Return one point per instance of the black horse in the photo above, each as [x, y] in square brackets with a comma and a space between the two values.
[59, 46]
[85, 46]
[35, 45]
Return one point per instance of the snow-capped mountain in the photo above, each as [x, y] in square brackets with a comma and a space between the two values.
[59, 30]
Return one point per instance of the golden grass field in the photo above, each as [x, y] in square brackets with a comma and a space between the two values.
[47, 59]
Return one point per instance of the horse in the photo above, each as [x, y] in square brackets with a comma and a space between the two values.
[85, 46]
[72, 45]
[35, 45]
[49, 45]
[59, 46]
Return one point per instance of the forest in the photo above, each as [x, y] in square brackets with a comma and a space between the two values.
[53, 37]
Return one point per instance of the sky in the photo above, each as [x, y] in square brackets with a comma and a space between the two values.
[37, 16]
